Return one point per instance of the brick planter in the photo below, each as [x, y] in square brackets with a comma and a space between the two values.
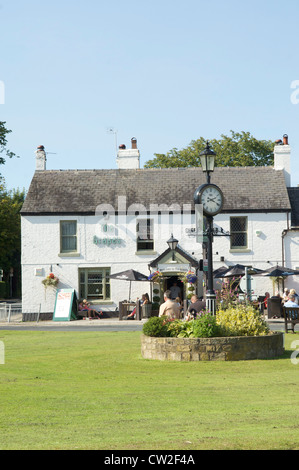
[236, 348]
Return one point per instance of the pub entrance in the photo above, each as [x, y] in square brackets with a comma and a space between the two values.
[176, 286]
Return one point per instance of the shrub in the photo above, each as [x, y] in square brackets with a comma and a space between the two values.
[242, 320]
[156, 326]
[206, 326]
[2, 290]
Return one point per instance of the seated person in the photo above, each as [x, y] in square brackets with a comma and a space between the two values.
[84, 306]
[196, 305]
[291, 302]
[144, 300]
[169, 308]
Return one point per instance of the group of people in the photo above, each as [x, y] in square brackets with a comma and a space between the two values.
[88, 312]
[172, 308]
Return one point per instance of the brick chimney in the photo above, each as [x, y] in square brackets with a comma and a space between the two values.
[41, 158]
[128, 158]
[282, 158]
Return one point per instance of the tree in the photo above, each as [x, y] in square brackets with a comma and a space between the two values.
[3, 143]
[10, 231]
[239, 149]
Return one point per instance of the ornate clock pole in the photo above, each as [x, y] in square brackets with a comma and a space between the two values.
[211, 198]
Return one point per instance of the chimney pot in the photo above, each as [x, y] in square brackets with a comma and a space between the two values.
[285, 139]
[134, 143]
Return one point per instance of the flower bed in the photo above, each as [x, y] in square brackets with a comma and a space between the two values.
[237, 333]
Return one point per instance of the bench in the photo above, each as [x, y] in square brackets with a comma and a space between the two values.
[291, 315]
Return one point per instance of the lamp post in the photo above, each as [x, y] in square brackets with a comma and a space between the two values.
[172, 243]
[211, 198]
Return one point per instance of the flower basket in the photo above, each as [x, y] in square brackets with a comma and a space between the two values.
[155, 276]
[189, 278]
[50, 281]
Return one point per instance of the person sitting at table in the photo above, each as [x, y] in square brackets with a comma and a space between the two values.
[84, 306]
[291, 302]
[144, 300]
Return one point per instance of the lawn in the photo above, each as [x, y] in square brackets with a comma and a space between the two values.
[93, 390]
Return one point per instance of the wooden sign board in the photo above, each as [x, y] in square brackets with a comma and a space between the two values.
[65, 305]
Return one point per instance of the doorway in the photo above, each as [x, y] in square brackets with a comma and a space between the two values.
[174, 284]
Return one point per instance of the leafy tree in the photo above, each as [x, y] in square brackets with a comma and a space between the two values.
[10, 231]
[3, 143]
[238, 149]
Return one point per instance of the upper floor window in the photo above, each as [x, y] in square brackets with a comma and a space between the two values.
[238, 232]
[145, 234]
[68, 236]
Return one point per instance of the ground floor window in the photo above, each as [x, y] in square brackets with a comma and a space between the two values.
[95, 283]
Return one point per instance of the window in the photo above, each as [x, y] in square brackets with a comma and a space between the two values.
[238, 232]
[144, 234]
[94, 283]
[68, 236]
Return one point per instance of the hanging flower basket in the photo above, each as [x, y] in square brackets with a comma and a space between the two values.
[50, 281]
[155, 276]
[189, 278]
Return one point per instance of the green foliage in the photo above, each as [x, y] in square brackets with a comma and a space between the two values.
[2, 290]
[10, 227]
[3, 142]
[239, 149]
[156, 326]
[242, 320]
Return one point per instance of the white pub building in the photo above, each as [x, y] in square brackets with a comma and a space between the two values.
[86, 225]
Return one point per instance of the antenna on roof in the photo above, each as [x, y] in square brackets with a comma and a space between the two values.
[111, 130]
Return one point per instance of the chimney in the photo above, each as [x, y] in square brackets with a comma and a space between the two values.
[40, 160]
[282, 158]
[128, 159]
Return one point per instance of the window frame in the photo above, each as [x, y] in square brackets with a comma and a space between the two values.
[83, 286]
[62, 250]
[141, 243]
[239, 247]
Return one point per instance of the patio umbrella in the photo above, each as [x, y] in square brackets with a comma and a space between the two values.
[279, 272]
[129, 275]
[237, 270]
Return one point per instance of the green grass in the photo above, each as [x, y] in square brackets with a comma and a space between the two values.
[93, 390]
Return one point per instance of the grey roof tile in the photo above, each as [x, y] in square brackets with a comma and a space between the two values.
[81, 191]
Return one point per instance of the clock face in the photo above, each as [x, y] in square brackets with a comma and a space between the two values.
[212, 199]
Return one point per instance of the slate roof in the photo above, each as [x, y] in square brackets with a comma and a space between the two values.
[245, 189]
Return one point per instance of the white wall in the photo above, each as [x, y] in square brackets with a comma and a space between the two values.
[41, 247]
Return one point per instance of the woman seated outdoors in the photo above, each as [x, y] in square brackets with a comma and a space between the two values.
[144, 300]
[84, 306]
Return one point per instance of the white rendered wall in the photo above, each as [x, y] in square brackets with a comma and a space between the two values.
[41, 252]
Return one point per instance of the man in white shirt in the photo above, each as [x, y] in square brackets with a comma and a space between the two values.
[175, 291]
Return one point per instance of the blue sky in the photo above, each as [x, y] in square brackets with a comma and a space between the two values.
[165, 72]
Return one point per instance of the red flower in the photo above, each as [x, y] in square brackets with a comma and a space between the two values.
[51, 276]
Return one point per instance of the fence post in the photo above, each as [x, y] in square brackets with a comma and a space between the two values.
[38, 313]
[9, 313]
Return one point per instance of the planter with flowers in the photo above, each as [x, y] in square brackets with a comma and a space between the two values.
[50, 281]
[155, 276]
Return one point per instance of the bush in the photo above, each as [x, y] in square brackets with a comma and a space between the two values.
[242, 320]
[206, 326]
[156, 326]
[2, 290]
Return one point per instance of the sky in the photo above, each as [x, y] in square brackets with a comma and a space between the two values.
[83, 77]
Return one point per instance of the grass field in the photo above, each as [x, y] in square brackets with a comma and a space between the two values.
[93, 390]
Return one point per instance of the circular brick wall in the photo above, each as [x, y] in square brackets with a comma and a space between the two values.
[235, 348]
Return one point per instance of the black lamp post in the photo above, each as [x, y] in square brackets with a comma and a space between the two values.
[172, 243]
[211, 198]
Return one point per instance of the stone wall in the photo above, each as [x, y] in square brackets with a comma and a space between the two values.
[213, 349]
